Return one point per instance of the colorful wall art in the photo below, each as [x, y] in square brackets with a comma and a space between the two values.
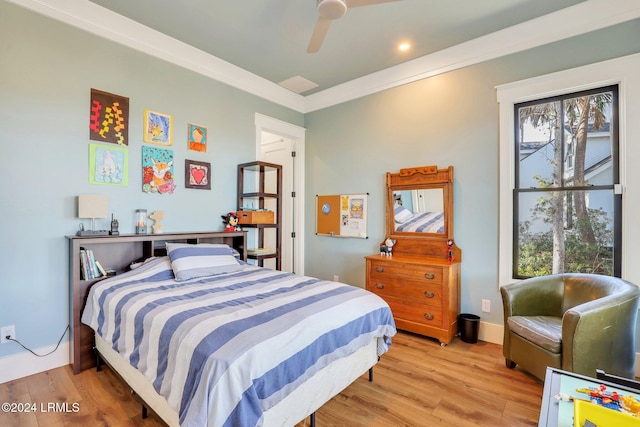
[197, 175]
[109, 118]
[197, 138]
[108, 164]
[157, 170]
[158, 127]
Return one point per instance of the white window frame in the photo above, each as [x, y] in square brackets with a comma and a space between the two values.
[621, 71]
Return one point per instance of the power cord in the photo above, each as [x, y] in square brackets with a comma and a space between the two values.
[8, 337]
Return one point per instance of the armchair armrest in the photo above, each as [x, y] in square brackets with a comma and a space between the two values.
[538, 296]
[599, 333]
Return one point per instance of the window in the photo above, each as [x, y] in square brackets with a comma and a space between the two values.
[566, 213]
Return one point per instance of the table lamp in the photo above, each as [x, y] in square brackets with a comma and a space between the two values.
[93, 206]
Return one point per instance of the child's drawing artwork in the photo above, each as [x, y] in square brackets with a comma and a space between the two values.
[108, 164]
[109, 118]
[197, 175]
[157, 127]
[197, 138]
[157, 170]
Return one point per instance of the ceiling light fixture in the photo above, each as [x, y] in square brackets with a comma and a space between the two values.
[404, 46]
[331, 9]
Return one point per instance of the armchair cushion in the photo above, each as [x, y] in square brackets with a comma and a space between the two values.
[545, 331]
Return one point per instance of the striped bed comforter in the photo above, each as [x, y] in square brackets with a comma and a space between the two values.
[222, 349]
[426, 222]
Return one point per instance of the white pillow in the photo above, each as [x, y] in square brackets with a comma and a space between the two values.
[201, 260]
[401, 214]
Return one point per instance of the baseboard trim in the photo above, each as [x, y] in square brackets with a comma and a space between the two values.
[493, 333]
[490, 332]
[23, 364]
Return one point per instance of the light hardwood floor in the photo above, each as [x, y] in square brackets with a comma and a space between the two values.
[417, 383]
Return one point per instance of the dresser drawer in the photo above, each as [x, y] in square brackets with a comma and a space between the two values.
[417, 292]
[423, 314]
[380, 270]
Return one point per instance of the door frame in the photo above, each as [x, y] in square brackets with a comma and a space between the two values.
[297, 135]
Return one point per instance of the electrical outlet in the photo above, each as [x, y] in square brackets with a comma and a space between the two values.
[336, 278]
[7, 331]
[486, 306]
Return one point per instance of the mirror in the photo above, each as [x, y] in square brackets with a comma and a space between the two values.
[420, 203]
[419, 210]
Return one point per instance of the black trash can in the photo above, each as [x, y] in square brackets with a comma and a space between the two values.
[468, 327]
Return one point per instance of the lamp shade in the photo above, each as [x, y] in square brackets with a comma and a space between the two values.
[93, 206]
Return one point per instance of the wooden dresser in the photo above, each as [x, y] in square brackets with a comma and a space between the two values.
[423, 293]
[420, 280]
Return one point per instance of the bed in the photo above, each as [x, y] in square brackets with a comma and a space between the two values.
[425, 222]
[208, 340]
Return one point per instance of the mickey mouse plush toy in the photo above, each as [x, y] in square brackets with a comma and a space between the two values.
[231, 222]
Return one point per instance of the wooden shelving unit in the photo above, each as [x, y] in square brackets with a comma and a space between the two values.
[260, 187]
[117, 253]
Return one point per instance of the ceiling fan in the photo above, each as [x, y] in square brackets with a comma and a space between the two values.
[329, 10]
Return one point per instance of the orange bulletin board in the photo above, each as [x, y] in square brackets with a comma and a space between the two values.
[342, 215]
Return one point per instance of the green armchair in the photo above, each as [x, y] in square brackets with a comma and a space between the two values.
[575, 322]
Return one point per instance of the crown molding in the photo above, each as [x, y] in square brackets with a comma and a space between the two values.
[581, 18]
[102, 22]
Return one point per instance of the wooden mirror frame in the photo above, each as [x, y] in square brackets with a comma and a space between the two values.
[433, 245]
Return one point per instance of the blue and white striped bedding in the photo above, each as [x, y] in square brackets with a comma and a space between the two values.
[223, 349]
[426, 222]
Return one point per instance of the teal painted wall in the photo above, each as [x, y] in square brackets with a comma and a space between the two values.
[47, 70]
[450, 119]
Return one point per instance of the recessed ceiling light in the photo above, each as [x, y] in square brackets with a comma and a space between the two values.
[404, 46]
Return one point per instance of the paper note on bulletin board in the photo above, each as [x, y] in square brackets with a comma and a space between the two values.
[342, 215]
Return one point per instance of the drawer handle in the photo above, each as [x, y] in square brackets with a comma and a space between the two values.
[429, 294]
[380, 285]
[379, 269]
[429, 276]
[429, 316]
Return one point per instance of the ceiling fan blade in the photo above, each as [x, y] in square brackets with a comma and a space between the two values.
[319, 32]
[357, 3]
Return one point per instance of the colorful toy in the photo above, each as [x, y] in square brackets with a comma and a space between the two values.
[231, 222]
[450, 250]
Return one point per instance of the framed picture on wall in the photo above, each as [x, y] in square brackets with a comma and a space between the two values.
[158, 127]
[197, 136]
[197, 175]
[108, 164]
[109, 118]
[157, 170]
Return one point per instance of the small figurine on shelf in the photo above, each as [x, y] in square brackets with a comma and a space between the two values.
[449, 250]
[231, 222]
[386, 248]
[157, 216]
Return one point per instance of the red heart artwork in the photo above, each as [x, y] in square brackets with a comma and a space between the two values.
[198, 175]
